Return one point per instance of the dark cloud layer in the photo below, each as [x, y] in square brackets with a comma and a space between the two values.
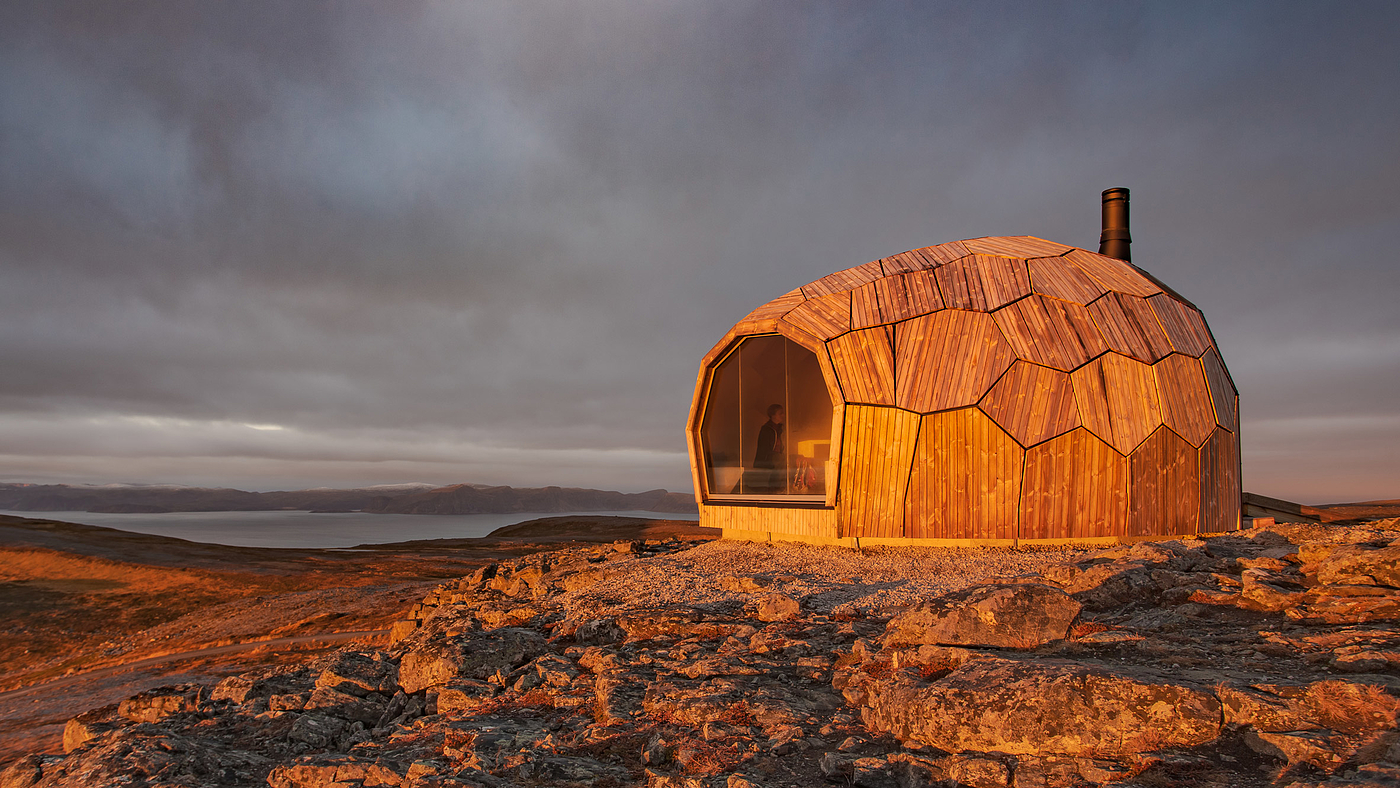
[275, 244]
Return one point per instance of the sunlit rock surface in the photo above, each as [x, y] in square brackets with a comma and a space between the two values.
[1260, 658]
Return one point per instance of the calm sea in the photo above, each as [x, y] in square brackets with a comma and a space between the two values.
[313, 529]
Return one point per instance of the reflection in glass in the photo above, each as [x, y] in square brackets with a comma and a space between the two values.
[767, 424]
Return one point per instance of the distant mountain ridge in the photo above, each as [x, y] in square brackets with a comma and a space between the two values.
[396, 499]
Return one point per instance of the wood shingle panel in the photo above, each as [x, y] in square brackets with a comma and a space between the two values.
[905, 296]
[1051, 332]
[1220, 482]
[982, 283]
[844, 281]
[877, 450]
[1054, 277]
[966, 479]
[1032, 403]
[765, 319]
[864, 362]
[1117, 400]
[1130, 326]
[905, 262]
[865, 306]
[1222, 390]
[948, 359]
[1185, 398]
[1074, 486]
[943, 253]
[824, 317]
[1184, 326]
[1112, 273]
[1164, 487]
[1016, 246]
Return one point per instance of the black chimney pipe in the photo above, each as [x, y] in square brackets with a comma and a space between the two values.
[1115, 241]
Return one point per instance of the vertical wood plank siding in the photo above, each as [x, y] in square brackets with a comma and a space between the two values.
[906, 296]
[1220, 488]
[1164, 490]
[966, 479]
[1075, 487]
[1117, 399]
[876, 453]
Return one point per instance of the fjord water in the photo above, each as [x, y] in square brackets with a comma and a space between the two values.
[314, 529]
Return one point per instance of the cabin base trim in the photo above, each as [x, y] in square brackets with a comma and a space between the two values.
[856, 543]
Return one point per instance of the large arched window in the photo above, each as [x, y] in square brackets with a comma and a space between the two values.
[767, 425]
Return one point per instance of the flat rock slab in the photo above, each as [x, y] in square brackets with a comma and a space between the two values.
[1042, 707]
[1021, 616]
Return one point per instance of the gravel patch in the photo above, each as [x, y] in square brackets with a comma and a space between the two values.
[826, 579]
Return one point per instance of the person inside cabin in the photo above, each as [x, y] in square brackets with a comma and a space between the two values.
[770, 457]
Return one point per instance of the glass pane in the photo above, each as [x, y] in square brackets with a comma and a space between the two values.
[809, 423]
[719, 432]
[767, 424]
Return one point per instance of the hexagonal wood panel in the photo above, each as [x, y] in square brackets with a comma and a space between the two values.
[966, 479]
[1051, 332]
[1075, 486]
[1164, 492]
[1184, 326]
[1130, 327]
[1032, 403]
[1222, 390]
[982, 283]
[823, 317]
[1186, 406]
[876, 452]
[864, 362]
[955, 357]
[1117, 399]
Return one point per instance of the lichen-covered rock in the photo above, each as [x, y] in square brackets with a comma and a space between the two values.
[157, 704]
[360, 673]
[1364, 563]
[1046, 706]
[475, 655]
[1022, 616]
[23, 773]
[777, 607]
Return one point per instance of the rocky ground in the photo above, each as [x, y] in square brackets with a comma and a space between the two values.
[1270, 656]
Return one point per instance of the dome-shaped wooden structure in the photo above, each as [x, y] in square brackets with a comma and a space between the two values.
[995, 390]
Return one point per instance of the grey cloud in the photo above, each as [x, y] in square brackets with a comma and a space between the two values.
[522, 225]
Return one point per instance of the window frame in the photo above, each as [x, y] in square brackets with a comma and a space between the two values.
[699, 461]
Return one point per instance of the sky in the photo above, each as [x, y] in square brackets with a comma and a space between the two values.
[275, 245]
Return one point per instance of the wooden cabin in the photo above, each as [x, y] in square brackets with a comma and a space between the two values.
[995, 390]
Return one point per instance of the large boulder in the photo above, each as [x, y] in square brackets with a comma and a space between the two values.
[360, 673]
[1042, 707]
[477, 655]
[1022, 616]
[1361, 564]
